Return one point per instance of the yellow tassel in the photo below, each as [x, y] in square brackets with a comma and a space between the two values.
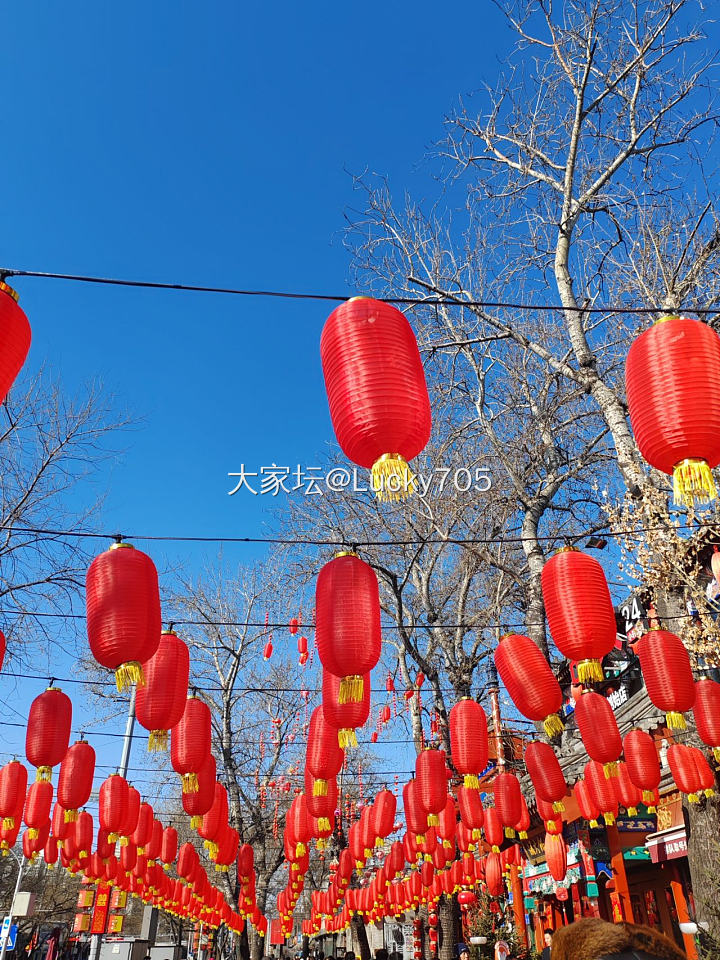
[648, 796]
[610, 770]
[351, 689]
[594, 823]
[509, 833]
[391, 479]
[320, 788]
[113, 838]
[553, 726]
[347, 738]
[190, 783]
[128, 674]
[558, 806]
[33, 834]
[157, 741]
[709, 792]
[716, 754]
[693, 798]
[590, 671]
[323, 823]
[550, 824]
[495, 848]
[652, 809]
[51, 866]
[43, 774]
[433, 820]
[124, 841]
[632, 811]
[320, 843]
[471, 781]
[446, 844]
[675, 720]
[475, 835]
[8, 823]
[71, 816]
[693, 480]
[609, 819]
[523, 835]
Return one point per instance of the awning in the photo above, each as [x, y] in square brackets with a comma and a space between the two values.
[667, 844]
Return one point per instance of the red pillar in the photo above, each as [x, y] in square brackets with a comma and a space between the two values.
[619, 875]
[518, 904]
[683, 916]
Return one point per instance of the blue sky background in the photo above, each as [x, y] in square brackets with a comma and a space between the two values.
[208, 143]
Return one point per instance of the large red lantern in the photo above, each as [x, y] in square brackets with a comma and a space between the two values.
[347, 621]
[556, 856]
[589, 809]
[14, 338]
[601, 790]
[667, 674]
[684, 771]
[471, 810]
[545, 772]
[599, 730]
[494, 875]
[76, 778]
[707, 713]
[345, 717]
[523, 824]
[506, 787]
[383, 815]
[672, 378]
[493, 829]
[13, 787]
[469, 740]
[197, 803]
[324, 757]
[527, 677]
[113, 804]
[123, 611]
[579, 610]
[642, 762]
[84, 833]
[48, 731]
[431, 779]
[160, 701]
[191, 742]
[628, 794]
[376, 388]
[37, 807]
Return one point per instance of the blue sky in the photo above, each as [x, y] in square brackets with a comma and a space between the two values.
[209, 143]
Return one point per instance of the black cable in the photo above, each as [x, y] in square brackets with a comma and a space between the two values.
[336, 298]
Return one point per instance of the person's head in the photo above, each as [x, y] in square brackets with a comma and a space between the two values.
[547, 936]
[461, 951]
[349, 955]
[381, 954]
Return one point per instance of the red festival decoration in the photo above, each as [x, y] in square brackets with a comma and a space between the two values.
[667, 674]
[599, 730]
[190, 743]
[672, 378]
[642, 763]
[76, 778]
[469, 740]
[707, 713]
[532, 685]
[160, 702]
[377, 392]
[14, 338]
[123, 611]
[48, 731]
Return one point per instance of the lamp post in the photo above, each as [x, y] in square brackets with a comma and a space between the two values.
[21, 867]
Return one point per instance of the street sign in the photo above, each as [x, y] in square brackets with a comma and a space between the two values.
[8, 932]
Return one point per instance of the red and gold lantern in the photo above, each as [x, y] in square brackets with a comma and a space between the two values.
[190, 742]
[324, 757]
[506, 787]
[530, 682]
[76, 778]
[160, 701]
[707, 713]
[642, 763]
[469, 740]
[545, 772]
[347, 618]
[113, 804]
[599, 730]
[556, 856]
[37, 807]
[13, 787]
[48, 731]
[672, 378]
[667, 674]
[431, 779]
[579, 610]
[14, 338]
[376, 388]
[345, 717]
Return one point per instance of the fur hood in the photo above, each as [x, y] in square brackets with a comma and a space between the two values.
[593, 939]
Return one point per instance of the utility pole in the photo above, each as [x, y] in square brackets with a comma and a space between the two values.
[21, 868]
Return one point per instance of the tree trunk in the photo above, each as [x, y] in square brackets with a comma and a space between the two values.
[360, 936]
[535, 613]
[449, 926]
[243, 944]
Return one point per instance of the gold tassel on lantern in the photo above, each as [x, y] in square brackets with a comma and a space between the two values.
[128, 674]
[553, 726]
[8, 823]
[351, 689]
[391, 478]
[323, 823]
[675, 720]
[590, 671]
[610, 770]
[43, 774]
[320, 788]
[347, 738]
[693, 481]
[433, 820]
[190, 783]
[195, 822]
[609, 819]
[157, 741]
[71, 816]
[471, 782]
[558, 806]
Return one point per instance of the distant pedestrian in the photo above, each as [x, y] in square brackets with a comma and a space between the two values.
[548, 939]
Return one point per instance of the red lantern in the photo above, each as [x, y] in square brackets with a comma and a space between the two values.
[507, 801]
[415, 814]
[493, 829]
[324, 758]
[268, 651]
[523, 824]
[431, 778]
[556, 856]
[667, 674]
[84, 833]
[672, 378]
[347, 615]
[378, 397]
[527, 677]
[586, 802]
[471, 810]
[383, 816]
[599, 730]
[601, 790]
[37, 807]
[190, 742]
[197, 804]
[707, 713]
[626, 792]
[684, 771]
[552, 817]
[345, 717]
[75, 780]
[494, 875]
[643, 765]
[14, 338]
[706, 777]
[469, 740]
[48, 731]
[160, 702]
[123, 611]
[13, 787]
[545, 772]
[143, 828]
[3, 648]
[579, 610]
[112, 805]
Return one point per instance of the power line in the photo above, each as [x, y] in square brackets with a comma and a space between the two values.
[336, 298]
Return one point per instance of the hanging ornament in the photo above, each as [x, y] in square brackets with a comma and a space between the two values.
[15, 338]
[707, 713]
[160, 702]
[579, 610]
[48, 731]
[376, 388]
[667, 674]
[469, 740]
[672, 379]
[77, 771]
[643, 763]
[530, 682]
[599, 730]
